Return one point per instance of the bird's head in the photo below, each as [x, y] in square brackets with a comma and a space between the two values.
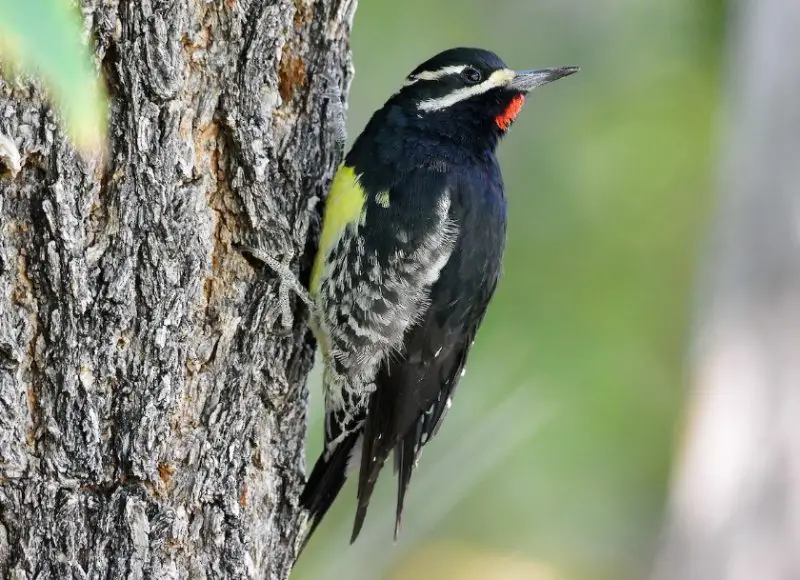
[470, 94]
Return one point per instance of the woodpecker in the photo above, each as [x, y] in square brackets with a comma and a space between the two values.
[410, 252]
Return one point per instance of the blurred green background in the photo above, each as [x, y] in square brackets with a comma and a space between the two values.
[554, 461]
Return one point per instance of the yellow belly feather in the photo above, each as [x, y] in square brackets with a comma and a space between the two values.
[343, 206]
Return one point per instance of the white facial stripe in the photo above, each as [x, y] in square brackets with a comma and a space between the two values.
[498, 78]
[432, 75]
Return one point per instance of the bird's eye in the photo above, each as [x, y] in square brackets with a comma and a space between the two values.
[471, 75]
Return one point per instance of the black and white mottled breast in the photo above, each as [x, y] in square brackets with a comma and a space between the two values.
[376, 280]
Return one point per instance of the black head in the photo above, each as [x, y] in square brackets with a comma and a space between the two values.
[469, 94]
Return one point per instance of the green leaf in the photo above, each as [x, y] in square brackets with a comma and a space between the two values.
[43, 38]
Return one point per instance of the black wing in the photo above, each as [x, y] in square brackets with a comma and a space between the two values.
[413, 390]
[421, 428]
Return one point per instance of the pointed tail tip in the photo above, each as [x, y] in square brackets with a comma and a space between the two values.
[357, 525]
[354, 535]
[397, 529]
[361, 509]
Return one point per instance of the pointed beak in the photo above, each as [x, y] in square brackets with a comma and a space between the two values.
[527, 80]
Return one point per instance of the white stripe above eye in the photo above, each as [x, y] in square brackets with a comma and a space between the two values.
[498, 78]
[432, 75]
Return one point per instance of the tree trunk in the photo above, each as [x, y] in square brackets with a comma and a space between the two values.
[152, 407]
[735, 509]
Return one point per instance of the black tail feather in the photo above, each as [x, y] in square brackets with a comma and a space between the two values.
[325, 482]
[367, 479]
[405, 455]
[376, 446]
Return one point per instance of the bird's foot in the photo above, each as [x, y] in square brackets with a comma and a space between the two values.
[288, 283]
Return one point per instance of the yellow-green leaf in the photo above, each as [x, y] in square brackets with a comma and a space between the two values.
[43, 38]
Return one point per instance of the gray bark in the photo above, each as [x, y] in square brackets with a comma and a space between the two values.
[735, 506]
[152, 407]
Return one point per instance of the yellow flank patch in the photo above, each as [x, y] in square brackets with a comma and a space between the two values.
[382, 199]
[343, 206]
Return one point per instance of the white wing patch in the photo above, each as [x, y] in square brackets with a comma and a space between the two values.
[411, 276]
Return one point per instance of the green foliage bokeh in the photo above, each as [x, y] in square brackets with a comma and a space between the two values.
[43, 38]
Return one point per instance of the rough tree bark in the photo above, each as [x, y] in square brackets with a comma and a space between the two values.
[735, 509]
[152, 408]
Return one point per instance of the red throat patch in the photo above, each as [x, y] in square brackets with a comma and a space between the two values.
[512, 110]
